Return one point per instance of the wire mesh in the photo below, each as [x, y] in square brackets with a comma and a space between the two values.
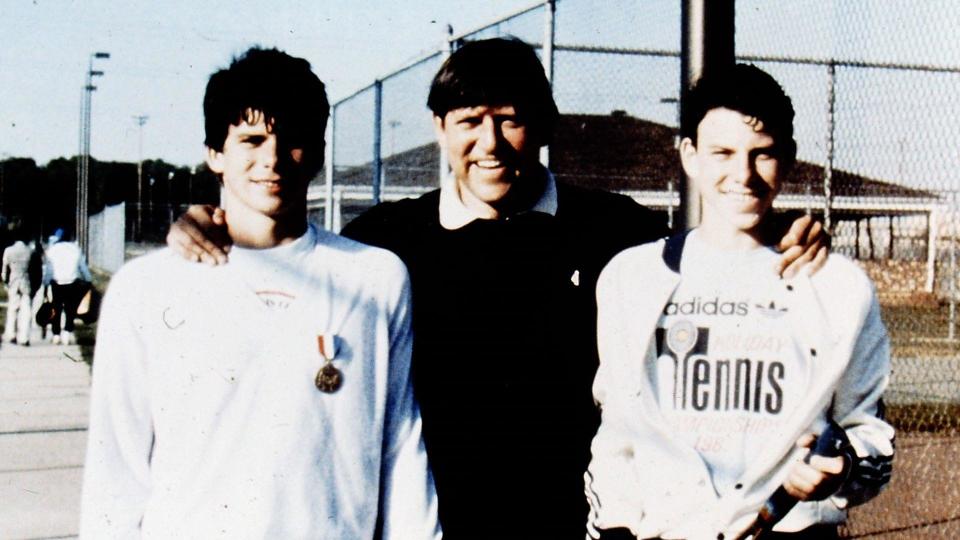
[352, 140]
[411, 157]
[527, 26]
[616, 134]
[875, 85]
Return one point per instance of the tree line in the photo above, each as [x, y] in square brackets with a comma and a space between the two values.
[39, 199]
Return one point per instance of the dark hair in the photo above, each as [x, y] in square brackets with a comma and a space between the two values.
[749, 90]
[498, 71]
[282, 87]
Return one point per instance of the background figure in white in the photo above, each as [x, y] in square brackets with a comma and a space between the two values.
[69, 277]
[16, 277]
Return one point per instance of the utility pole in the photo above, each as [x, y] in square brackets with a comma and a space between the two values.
[140, 120]
[83, 163]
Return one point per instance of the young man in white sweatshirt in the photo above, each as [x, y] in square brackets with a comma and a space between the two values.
[269, 398]
[715, 375]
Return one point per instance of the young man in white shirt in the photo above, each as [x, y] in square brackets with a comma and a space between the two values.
[269, 398]
[715, 375]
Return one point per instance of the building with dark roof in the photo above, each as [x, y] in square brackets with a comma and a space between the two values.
[619, 153]
[637, 157]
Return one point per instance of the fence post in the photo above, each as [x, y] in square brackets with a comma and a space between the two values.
[331, 146]
[951, 214]
[447, 50]
[951, 331]
[933, 224]
[377, 163]
[337, 204]
[549, 34]
[828, 166]
[670, 194]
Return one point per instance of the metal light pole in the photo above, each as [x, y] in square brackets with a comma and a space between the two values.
[328, 162]
[140, 120]
[83, 165]
[393, 125]
[449, 46]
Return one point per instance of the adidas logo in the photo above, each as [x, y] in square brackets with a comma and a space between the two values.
[771, 310]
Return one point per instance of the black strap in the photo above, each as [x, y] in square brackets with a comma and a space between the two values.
[673, 250]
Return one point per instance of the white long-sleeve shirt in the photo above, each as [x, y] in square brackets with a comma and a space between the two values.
[205, 419]
[16, 265]
[67, 263]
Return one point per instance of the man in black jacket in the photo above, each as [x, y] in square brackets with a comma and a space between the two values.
[503, 262]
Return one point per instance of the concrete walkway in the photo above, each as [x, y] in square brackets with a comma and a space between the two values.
[44, 395]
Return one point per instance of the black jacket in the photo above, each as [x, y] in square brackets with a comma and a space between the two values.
[505, 352]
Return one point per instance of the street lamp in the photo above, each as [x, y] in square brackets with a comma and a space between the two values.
[83, 164]
[393, 125]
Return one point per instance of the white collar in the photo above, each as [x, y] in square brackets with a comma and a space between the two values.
[455, 215]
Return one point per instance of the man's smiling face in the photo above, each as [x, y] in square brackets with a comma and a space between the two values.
[737, 167]
[489, 148]
[260, 174]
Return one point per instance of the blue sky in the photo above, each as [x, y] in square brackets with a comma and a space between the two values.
[163, 52]
[897, 126]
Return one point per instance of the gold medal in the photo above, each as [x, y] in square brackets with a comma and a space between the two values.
[329, 377]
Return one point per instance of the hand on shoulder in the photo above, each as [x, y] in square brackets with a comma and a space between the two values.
[200, 235]
[804, 248]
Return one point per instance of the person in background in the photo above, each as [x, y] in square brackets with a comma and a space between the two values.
[69, 279]
[18, 281]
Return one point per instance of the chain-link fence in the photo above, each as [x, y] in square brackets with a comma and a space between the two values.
[875, 87]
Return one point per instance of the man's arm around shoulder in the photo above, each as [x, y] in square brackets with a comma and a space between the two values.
[389, 224]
